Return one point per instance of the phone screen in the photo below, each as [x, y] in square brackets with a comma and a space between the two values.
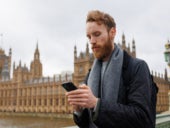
[69, 86]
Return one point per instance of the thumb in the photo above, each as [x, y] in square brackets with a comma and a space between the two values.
[83, 86]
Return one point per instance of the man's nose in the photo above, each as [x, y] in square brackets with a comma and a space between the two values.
[93, 40]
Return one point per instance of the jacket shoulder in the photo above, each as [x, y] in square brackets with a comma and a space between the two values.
[132, 66]
[131, 62]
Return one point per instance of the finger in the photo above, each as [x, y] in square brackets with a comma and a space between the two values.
[81, 95]
[76, 92]
[83, 86]
[81, 104]
[77, 100]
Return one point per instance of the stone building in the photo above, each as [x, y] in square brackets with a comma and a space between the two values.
[30, 91]
[162, 97]
[83, 62]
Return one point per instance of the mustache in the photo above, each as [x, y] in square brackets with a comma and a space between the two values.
[95, 46]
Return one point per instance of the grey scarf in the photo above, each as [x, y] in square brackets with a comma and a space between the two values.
[111, 78]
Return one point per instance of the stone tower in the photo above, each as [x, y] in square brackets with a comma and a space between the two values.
[36, 66]
[5, 65]
[20, 73]
[131, 51]
[5, 71]
[82, 64]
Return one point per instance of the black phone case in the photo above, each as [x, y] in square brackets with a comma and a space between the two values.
[69, 86]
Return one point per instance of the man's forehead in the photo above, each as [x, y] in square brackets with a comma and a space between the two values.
[93, 26]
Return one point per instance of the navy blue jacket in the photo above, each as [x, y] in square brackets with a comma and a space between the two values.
[134, 108]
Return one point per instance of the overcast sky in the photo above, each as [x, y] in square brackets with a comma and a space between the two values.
[59, 25]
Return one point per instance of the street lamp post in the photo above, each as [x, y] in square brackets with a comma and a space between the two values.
[167, 59]
[167, 53]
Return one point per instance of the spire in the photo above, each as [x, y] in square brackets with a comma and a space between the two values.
[133, 46]
[20, 63]
[123, 41]
[75, 52]
[14, 66]
[166, 75]
[36, 53]
[123, 36]
[37, 45]
[37, 50]
[133, 49]
[87, 49]
[128, 47]
[10, 52]
[1, 45]
[25, 65]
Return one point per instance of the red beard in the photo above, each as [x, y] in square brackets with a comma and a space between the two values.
[102, 51]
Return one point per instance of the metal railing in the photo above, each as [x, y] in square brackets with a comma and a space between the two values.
[163, 121]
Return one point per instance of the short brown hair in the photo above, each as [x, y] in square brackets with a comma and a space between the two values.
[101, 18]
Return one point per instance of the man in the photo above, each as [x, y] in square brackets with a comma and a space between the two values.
[117, 90]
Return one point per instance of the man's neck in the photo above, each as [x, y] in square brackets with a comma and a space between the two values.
[108, 57]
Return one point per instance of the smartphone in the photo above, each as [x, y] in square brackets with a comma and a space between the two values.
[69, 86]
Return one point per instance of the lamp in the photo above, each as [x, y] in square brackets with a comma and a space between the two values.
[167, 53]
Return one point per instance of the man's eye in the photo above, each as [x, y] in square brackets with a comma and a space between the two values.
[97, 34]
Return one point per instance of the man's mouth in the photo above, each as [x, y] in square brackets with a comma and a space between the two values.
[95, 47]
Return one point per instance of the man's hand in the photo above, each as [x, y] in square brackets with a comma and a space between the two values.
[82, 98]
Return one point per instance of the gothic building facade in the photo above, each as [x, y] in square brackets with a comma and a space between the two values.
[29, 91]
[84, 61]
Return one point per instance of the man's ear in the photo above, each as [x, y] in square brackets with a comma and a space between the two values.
[112, 32]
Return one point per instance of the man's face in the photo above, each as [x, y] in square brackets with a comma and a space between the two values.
[100, 39]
